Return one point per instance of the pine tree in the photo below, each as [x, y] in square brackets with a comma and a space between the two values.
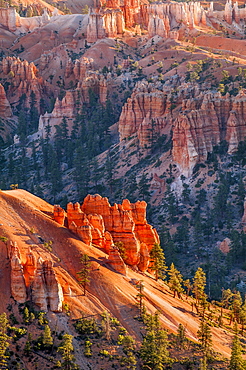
[26, 315]
[153, 352]
[205, 337]
[203, 363]
[199, 284]
[236, 360]
[181, 338]
[84, 273]
[4, 340]
[143, 188]
[157, 260]
[175, 281]
[236, 305]
[66, 349]
[128, 346]
[47, 338]
[140, 297]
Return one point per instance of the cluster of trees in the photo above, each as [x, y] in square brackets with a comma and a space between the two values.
[76, 150]
[48, 342]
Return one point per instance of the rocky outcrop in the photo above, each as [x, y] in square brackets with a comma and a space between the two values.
[97, 83]
[143, 114]
[53, 287]
[215, 118]
[8, 18]
[24, 81]
[59, 214]
[200, 120]
[18, 287]
[46, 291]
[99, 223]
[35, 280]
[79, 68]
[5, 108]
[225, 246]
[104, 22]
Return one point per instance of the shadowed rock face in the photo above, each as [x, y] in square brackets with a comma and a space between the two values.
[99, 223]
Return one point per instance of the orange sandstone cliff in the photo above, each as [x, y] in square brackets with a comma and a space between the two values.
[97, 222]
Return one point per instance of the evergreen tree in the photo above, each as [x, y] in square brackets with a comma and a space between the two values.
[175, 281]
[33, 114]
[84, 273]
[143, 188]
[205, 337]
[157, 260]
[203, 363]
[140, 297]
[47, 337]
[66, 349]
[153, 352]
[236, 305]
[4, 341]
[128, 346]
[199, 284]
[181, 338]
[236, 360]
[26, 315]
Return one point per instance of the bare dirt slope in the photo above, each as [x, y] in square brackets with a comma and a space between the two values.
[25, 219]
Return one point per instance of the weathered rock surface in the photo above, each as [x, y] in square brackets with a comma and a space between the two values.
[101, 224]
[5, 108]
[25, 80]
[105, 23]
[199, 123]
[59, 214]
[18, 288]
[36, 278]
[224, 246]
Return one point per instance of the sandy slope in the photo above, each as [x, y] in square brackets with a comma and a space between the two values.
[24, 218]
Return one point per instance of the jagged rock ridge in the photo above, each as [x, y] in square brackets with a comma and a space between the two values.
[100, 224]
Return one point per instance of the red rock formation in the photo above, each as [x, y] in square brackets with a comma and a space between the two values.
[224, 246]
[144, 257]
[18, 287]
[29, 267]
[46, 291]
[79, 68]
[95, 28]
[99, 223]
[38, 288]
[59, 214]
[199, 123]
[5, 108]
[228, 12]
[65, 107]
[24, 80]
[143, 110]
[53, 288]
[156, 27]
[96, 82]
[8, 18]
